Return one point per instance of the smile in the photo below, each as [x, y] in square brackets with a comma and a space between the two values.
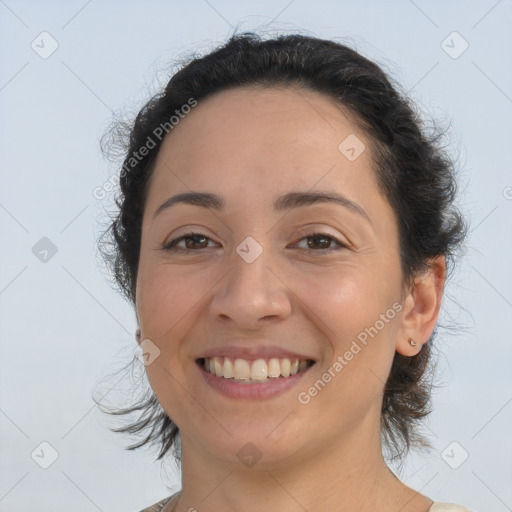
[253, 371]
[259, 378]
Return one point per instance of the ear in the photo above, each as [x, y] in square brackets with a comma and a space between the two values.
[421, 308]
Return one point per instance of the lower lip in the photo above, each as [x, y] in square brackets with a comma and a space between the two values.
[265, 389]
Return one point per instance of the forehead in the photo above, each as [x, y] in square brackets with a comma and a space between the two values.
[277, 135]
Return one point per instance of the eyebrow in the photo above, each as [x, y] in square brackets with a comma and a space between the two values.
[284, 202]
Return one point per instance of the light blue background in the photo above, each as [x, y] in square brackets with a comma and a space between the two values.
[63, 327]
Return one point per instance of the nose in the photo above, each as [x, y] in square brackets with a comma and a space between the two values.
[251, 294]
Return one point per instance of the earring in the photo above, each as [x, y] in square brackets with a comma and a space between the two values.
[412, 342]
[137, 334]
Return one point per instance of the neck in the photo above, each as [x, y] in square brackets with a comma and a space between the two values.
[350, 476]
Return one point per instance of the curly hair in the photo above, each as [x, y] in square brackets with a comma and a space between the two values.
[413, 171]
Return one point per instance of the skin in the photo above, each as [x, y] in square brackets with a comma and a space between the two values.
[251, 145]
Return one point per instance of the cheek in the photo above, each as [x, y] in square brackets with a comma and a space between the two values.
[165, 307]
[344, 300]
[164, 297]
[353, 308]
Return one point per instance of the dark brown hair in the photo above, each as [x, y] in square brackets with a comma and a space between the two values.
[413, 171]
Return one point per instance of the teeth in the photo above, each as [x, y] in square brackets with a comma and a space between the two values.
[228, 368]
[217, 367]
[286, 366]
[274, 368]
[241, 369]
[259, 370]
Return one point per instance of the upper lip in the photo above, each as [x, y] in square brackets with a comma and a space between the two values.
[253, 352]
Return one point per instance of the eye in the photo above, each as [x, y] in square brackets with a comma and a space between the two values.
[324, 241]
[194, 238]
[197, 242]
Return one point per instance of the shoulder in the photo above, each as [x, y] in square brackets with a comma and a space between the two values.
[157, 507]
[437, 506]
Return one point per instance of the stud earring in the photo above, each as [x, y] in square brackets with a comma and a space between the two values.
[412, 342]
[137, 334]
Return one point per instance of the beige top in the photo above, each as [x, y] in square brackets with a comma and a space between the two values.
[160, 505]
[437, 506]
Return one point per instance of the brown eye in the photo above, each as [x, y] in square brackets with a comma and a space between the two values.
[193, 241]
[322, 242]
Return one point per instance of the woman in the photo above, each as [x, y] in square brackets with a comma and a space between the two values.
[285, 232]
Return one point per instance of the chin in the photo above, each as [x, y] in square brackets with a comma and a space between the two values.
[256, 444]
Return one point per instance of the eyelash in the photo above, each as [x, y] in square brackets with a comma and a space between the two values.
[171, 246]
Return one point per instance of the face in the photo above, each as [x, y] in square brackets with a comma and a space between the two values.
[268, 275]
